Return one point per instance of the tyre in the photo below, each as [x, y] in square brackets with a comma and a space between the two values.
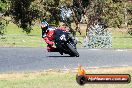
[73, 51]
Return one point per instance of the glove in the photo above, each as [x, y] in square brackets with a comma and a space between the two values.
[51, 43]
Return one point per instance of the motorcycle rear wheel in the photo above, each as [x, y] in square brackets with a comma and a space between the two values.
[73, 52]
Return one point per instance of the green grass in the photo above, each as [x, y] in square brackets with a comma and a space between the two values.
[121, 40]
[58, 79]
[22, 41]
[14, 29]
[15, 37]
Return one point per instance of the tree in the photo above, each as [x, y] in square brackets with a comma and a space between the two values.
[3, 5]
[3, 22]
[23, 14]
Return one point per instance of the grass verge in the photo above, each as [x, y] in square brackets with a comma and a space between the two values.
[17, 38]
[54, 79]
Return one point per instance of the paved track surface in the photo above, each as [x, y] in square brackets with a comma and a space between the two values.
[37, 59]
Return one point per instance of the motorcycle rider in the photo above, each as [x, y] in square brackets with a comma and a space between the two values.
[48, 35]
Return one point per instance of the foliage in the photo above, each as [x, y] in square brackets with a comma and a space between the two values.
[130, 31]
[3, 24]
[22, 14]
[106, 11]
[26, 12]
[3, 5]
[129, 10]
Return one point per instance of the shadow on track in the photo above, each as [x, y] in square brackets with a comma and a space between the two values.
[58, 56]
